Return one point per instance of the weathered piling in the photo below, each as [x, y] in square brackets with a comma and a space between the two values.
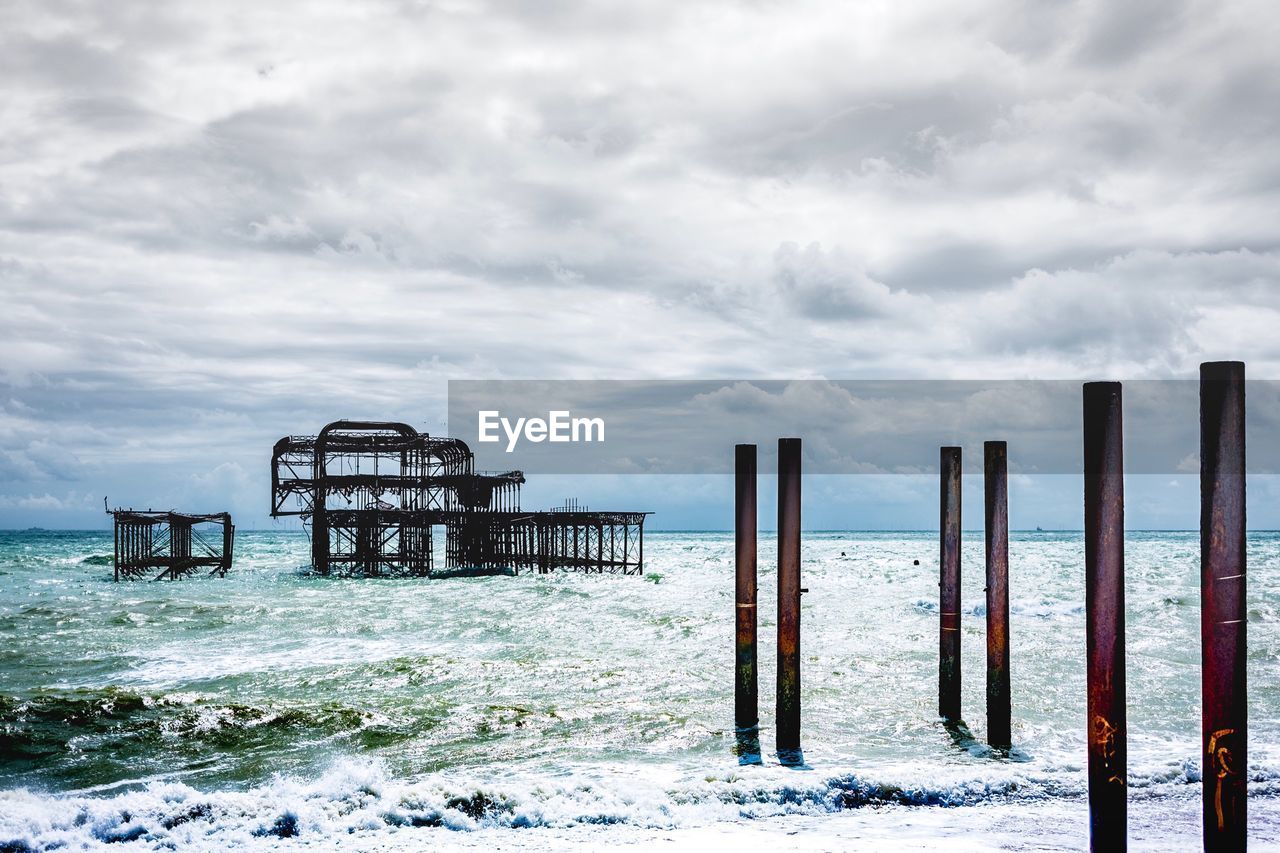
[1224, 724]
[996, 492]
[746, 691]
[949, 587]
[1104, 614]
[788, 709]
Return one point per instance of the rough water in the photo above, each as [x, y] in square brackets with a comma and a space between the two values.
[278, 709]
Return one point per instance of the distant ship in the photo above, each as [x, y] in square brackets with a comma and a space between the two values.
[1039, 530]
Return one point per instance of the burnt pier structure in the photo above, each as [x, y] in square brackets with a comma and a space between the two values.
[377, 495]
[169, 545]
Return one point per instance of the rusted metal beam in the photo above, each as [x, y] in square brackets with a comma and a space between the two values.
[788, 697]
[996, 493]
[949, 586]
[1223, 616]
[746, 690]
[1104, 615]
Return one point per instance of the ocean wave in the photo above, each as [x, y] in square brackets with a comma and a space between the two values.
[1041, 609]
[123, 727]
[355, 798]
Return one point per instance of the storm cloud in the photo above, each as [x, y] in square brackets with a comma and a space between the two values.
[224, 222]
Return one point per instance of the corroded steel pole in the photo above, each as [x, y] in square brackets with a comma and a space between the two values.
[746, 694]
[996, 491]
[228, 543]
[788, 710]
[1104, 614]
[1224, 726]
[949, 587]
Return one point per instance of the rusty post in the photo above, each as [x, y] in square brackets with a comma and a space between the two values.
[1224, 725]
[1104, 614]
[996, 491]
[788, 710]
[949, 587]
[746, 693]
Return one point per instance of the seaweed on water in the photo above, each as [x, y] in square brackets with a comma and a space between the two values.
[374, 737]
[286, 826]
[200, 811]
[477, 806]
[122, 834]
[16, 845]
[418, 820]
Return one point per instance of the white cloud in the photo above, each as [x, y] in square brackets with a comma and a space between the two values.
[220, 222]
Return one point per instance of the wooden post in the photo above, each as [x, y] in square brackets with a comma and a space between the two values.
[996, 492]
[788, 710]
[746, 690]
[1104, 615]
[1223, 614]
[949, 587]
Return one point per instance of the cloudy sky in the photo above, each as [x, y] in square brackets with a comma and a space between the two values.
[224, 222]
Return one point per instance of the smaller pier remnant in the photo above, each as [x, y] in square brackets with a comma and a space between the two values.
[171, 544]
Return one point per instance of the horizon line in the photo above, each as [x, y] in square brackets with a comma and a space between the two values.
[105, 529]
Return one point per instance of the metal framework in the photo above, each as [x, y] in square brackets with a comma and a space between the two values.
[175, 543]
[375, 495]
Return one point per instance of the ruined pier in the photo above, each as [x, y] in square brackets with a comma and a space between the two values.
[376, 496]
[169, 545]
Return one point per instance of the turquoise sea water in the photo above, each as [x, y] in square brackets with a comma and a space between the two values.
[275, 707]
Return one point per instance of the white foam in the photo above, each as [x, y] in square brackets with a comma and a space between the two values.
[359, 799]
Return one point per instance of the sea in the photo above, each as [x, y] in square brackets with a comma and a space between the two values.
[277, 710]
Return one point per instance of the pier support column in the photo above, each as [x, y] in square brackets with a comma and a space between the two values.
[1223, 615]
[746, 691]
[228, 543]
[788, 710]
[1104, 615]
[949, 587]
[996, 492]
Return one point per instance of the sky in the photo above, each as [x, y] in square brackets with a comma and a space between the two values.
[221, 223]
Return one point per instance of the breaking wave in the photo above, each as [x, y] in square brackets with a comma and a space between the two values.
[359, 798]
[101, 734]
